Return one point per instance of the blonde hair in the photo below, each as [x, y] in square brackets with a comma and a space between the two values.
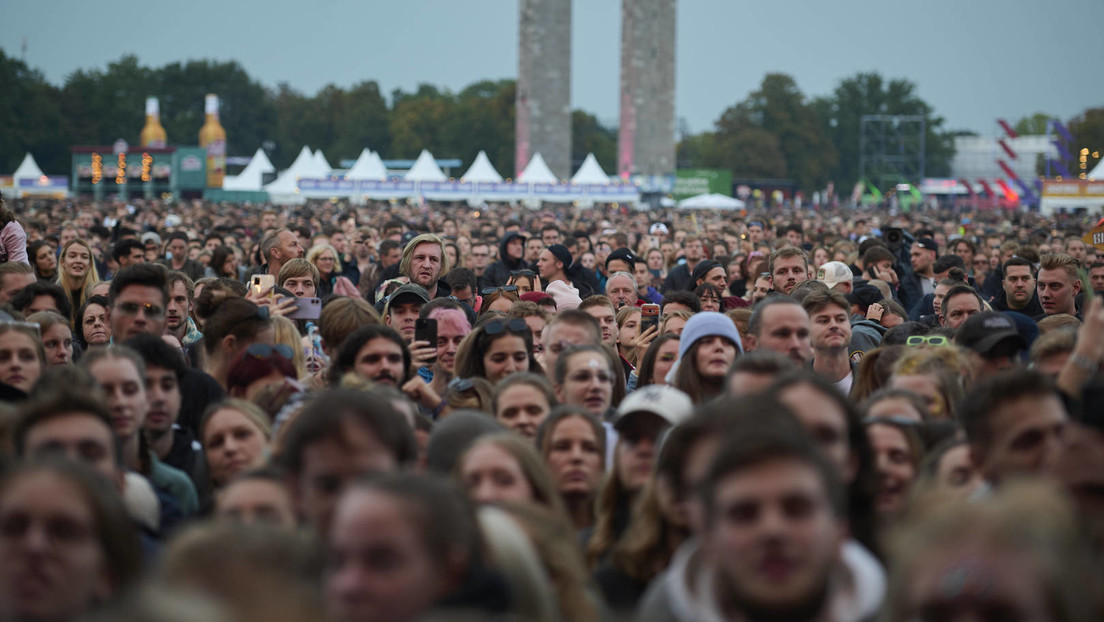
[288, 334]
[425, 238]
[90, 278]
[318, 249]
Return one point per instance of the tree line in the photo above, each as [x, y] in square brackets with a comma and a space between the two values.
[775, 132]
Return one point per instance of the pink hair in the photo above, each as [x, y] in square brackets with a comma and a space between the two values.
[453, 318]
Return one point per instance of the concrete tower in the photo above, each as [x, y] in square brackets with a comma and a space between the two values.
[544, 84]
[646, 139]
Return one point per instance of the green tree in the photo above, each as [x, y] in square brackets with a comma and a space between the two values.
[100, 107]
[361, 121]
[1033, 125]
[418, 120]
[1088, 133]
[482, 117]
[868, 94]
[588, 135]
[30, 119]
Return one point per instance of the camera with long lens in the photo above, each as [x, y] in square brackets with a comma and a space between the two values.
[894, 237]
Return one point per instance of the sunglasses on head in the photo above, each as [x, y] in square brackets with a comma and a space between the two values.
[487, 291]
[927, 340]
[264, 351]
[515, 325]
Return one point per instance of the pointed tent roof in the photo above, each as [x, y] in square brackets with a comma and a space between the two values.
[481, 170]
[1096, 173]
[285, 183]
[367, 166]
[425, 169]
[251, 176]
[537, 172]
[28, 169]
[320, 167]
[590, 172]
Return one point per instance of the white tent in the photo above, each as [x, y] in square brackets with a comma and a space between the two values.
[537, 172]
[252, 176]
[590, 172]
[367, 166]
[319, 166]
[286, 189]
[28, 169]
[711, 201]
[1096, 173]
[425, 169]
[481, 170]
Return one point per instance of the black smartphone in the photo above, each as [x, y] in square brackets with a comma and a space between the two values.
[425, 329]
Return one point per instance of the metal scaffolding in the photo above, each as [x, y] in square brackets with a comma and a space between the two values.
[891, 149]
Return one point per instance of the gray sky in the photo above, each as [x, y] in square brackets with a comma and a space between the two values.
[973, 60]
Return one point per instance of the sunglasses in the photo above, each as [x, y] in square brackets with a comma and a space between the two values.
[929, 340]
[516, 325]
[132, 308]
[30, 326]
[459, 385]
[487, 291]
[264, 351]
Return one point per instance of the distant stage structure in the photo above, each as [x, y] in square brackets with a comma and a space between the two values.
[543, 113]
[646, 138]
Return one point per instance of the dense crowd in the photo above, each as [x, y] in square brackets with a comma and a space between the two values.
[401, 411]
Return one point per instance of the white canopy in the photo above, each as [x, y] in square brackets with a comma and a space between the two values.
[28, 169]
[590, 172]
[537, 172]
[285, 189]
[425, 169]
[711, 201]
[367, 166]
[252, 176]
[481, 170]
[1096, 173]
[319, 166]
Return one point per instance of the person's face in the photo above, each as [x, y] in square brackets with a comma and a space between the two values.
[642, 276]
[830, 328]
[980, 264]
[755, 233]
[714, 356]
[403, 317]
[79, 437]
[46, 260]
[788, 272]
[694, 251]
[76, 261]
[607, 319]
[289, 246]
[515, 248]
[380, 360]
[588, 260]
[785, 329]
[178, 308]
[13, 284]
[232, 444]
[665, 359]
[927, 387]
[268, 221]
[52, 566]
[255, 501]
[956, 472]
[465, 295]
[491, 475]
[820, 257]
[629, 330]
[45, 302]
[449, 228]
[504, 356]
[716, 277]
[1096, 278]
[1076, 249]
[761, 289]
[19, 363]
[674, 325]
[390, 257]
[655, 260]
[588, 383]
[425, 265]
[957, 309]
[1019, 285]
[574, 457]
[126, 394]
[1027, 438]
[893, 463]
[963, 251]
[636, 448]
[533, 247]
[449, 336]
[163, 390]
[326, 262]
[58, 342]
[548, 266]
[300, 286]
[560, 336]
[794, 238]
[381, 569]
[1057, 291]
[67, 236]
[138, 310]
[179, 249]
[550, 237]
[480, 257]
[921, 258]
[94, 325]
[826, 425]
[338, 241]
[522, 408]
[773, 536]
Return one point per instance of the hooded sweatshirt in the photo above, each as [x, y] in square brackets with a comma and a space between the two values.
[865, 336]
[498, 272]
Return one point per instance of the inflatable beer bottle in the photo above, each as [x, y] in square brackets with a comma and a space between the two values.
[213, 138]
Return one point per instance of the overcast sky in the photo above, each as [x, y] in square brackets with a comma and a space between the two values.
[973, 60]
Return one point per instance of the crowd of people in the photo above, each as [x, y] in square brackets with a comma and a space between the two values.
[408, 411]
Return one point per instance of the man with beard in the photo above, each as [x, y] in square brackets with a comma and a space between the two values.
[423, 262]
[788, 266]
[679, 277]
[780, 324]
[1019, 289]
[375, 353]
[178, 314]
[279, 247]
[773, 536]
[830, 333]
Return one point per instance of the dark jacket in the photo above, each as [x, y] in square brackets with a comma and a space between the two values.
[192, 268]
[498, 272]
[866, 335]
[1034, 307]
[678, 279]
